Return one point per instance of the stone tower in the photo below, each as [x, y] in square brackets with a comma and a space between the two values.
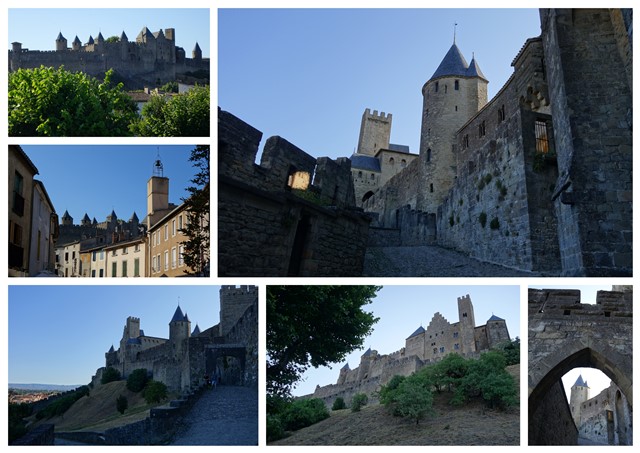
[497, 331]
[467, 324]
[375, 132]
[579, 394]
[455, 92]
[234, 301]
[342, 377]
[61, 43]
[76, 44]
[157, 194]
[67, 219]
[196, 54]
[179, 330]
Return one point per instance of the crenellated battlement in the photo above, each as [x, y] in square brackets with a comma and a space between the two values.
[382, 116]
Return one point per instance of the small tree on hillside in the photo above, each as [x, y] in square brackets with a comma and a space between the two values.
[137, 380]
[338, 404]
[122, 404]
[155, 391]
[358, 401]
[110, 375]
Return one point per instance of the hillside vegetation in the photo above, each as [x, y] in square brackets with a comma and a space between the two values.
[472, 424]
[98, 410]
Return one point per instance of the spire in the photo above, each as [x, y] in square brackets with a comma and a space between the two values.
[580, 382]
[60, 37]
[454, 32]
[197, 48]
[178, 316]
[196, 331]
[123, 36]
[474, 69]
[453, 64]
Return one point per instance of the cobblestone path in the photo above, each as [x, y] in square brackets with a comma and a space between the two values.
[226, 415]
[430, 261]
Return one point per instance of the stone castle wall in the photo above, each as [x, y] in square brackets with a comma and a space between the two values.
[588, 56]
[265, 228]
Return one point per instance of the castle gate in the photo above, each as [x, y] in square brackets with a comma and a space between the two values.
[227, 361]
[565, 334]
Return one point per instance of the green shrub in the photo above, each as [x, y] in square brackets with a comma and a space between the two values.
[338, 404]
[154, 392]
[122, 403]
[137, 380]
[302, 413]
[275, 430]
[358, 401]
[110, 375]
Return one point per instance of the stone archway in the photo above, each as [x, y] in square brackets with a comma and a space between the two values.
[227, 361]
[566, 334]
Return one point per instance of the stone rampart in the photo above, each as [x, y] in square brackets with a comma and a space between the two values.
[268, 228]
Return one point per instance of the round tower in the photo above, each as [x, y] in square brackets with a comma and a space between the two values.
[61, 43]
[76, 44]
[342, 377]
[179, 330]
[579, 394]
[455, 92]
[67, 219]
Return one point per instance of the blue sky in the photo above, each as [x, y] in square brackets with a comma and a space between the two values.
[308, 74]
[402, 309]
[59, 334]
[37, 29]
[99, 178]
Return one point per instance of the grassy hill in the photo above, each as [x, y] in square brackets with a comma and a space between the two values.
[468, 425]
[98, 410]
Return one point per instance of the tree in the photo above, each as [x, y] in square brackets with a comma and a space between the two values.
[154, 392]
[358, 401]
[196, 247]
[113, 38]
[183, 115]
[338, 404]
[110, 375]
[122, 403]
[137, 380]
[413, 398]
[313, 326]
[56, 102]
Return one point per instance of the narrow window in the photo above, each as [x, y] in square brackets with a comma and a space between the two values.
[445, 88]
[114, 269]
[373, 176]
[429, 155]
[391, 161]
[431, 187]
[124, 268]
[136, 267]
[436, 90]
[542, 138]
[456, 85]
[456, 108]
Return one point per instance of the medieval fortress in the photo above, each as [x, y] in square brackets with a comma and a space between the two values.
[228, 349]
[152, 59]
[537, 179]
[422, 348]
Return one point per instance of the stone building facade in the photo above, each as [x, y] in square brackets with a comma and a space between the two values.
[422, 348]
[33, 222]
[524, 180]
[291, 215]
[152, 59]
[182, 360]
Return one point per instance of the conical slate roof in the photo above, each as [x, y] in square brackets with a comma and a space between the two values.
[178, 316]
[346, 366]
[367, 353]
[453, 64]
[196, 331]
[495, 318]
[580, 382]
[474, 70]
[60, 37]
[123, 36]
[197, 48]
[90, 40]
[77, 40]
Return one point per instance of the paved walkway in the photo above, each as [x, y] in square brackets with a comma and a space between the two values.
[226, 415]
[430, 261]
